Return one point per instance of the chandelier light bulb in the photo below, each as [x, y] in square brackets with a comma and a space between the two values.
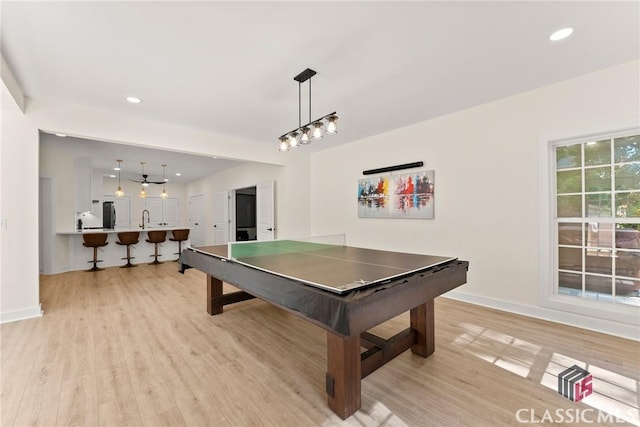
[317, 130]
[284, 145]
[293, 139]
[332, 125]
[305, 136]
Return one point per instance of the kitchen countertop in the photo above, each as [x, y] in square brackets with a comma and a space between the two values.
[118, 230]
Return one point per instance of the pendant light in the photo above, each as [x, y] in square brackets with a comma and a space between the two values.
[313, 130]
[119, 192]
[164, 194]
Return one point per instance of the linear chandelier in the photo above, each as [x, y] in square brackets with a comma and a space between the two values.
[312, 130]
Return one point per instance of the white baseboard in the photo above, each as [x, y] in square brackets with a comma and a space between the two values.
[623, 330]
[25, 313]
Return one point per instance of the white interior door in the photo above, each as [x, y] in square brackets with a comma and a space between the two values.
[196, 220]
[221, 218]
[265, 211]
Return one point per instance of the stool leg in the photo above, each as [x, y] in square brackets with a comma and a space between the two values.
[179, 250]
[128, 264]
[95, 260]
[155, 261]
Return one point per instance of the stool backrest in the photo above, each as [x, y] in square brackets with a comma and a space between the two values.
[181, 234]
[157, 236]
[128, 237]
[93, 240]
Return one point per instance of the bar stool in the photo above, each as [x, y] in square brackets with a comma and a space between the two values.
[128, 238]
[179, 236]
[156, 237]
[95, 241]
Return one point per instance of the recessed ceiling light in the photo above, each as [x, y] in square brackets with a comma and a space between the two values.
[178, 174]
[112, 176]
[561, 34]
[61, 135]
[134, 100]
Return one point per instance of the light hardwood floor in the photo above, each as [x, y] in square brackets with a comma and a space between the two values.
[136, 347]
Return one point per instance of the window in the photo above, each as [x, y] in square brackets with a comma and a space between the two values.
[596, 225]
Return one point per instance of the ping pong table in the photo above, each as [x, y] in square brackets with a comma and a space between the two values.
[344, 290]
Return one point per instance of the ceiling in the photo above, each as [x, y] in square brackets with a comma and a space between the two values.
[102, 157]
[228, 67]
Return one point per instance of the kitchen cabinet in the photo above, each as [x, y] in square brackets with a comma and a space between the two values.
[162, 212]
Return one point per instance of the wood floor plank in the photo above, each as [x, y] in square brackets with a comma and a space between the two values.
[131, 347]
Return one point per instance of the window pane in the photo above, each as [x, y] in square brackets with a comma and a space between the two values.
[627, 149]
[601, 285]
[570, 234]
[598, 261]
[599, 235]
[568, 157]
[570, 280]
[570, 259]
[569, 206]
[628, 177]
[569, 181]
[628, 264]
[627, 287]
[598, 153]
[628, 236]
[628, 205]
[598, 205]
[597, 179]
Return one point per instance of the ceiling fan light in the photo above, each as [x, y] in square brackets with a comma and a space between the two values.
[145, 184]
[332, 125]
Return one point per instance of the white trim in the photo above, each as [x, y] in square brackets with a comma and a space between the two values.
[23, 314]
[623, 330]
[580, 309]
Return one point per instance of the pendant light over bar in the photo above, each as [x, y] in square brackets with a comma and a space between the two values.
[315, 129]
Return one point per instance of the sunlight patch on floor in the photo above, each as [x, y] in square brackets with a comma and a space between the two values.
[507, 352]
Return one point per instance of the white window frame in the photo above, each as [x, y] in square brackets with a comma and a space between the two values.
[548, 243]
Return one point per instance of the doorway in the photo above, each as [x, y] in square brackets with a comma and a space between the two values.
[245, 215]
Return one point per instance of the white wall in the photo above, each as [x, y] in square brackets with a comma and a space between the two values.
[291, 192]
[19, 293]
[486, 177]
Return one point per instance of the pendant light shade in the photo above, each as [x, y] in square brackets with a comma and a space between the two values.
[119, 192]
[164, 194]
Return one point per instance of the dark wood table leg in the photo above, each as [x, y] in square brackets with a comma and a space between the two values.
[214, 292]
[343, 374]
[422, 321]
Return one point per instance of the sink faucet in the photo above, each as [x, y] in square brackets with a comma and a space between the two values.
[148, 219]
